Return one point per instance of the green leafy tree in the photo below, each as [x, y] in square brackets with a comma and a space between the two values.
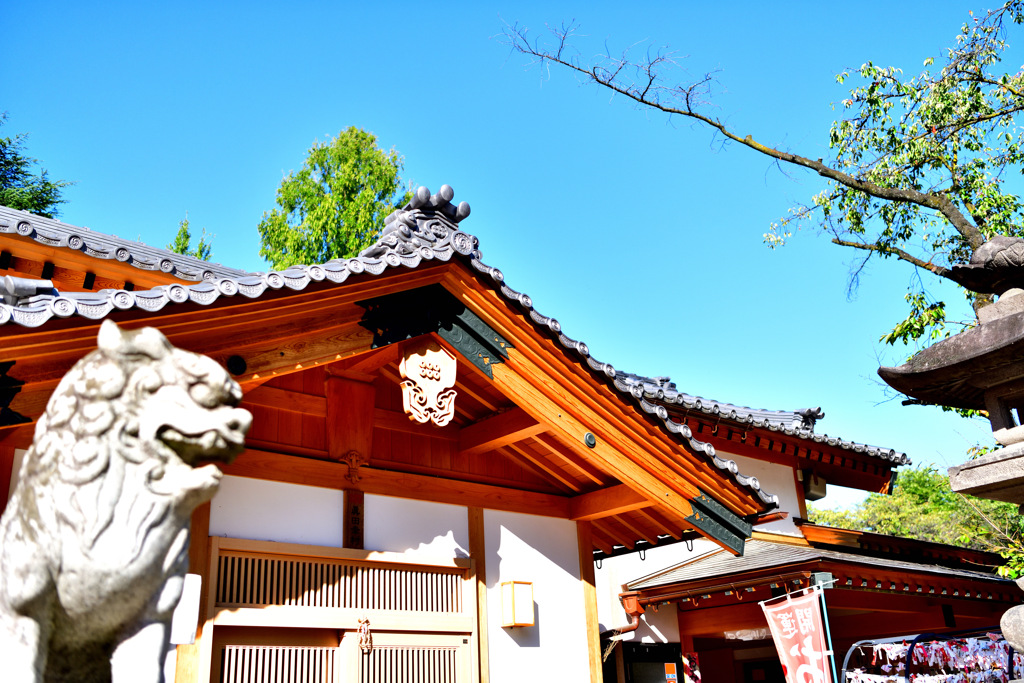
[182, 243]
[923, 506]
[918, 168]
[20, 187]
[335, 206]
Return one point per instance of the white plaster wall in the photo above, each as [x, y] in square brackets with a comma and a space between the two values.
[544, 551]
[273, 511]
[777, 479]
[661, 626]
[416, 528]
[655, 627]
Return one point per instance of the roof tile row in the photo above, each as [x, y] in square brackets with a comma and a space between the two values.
[426, 229]
[53, 233]
[798, 424]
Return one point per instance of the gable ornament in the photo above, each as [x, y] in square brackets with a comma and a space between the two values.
[428, 381]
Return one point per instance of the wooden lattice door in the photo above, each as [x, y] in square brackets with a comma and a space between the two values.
[403, 657]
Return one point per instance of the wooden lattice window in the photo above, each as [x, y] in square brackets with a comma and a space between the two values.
[422, 615]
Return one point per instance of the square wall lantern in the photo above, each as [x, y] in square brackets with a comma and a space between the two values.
[516, 603]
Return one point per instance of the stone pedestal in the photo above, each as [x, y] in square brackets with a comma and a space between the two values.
[982, 369]
[996, 476]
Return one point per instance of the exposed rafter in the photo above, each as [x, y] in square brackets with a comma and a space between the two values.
[497, 431]
[606, 502]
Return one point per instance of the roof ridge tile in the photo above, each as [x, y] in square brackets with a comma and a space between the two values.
[426, 228]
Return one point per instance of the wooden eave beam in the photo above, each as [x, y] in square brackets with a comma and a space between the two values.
[601, 540]
[264, 356]
[497, 431]
[558, 391]
[310, 472]
[276, 335]
[498, 480]
[887, 602]
[606, 502]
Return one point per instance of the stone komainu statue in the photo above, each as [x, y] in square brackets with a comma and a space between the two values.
[94, 542]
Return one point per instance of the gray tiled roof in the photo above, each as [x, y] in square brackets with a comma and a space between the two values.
[799, 424]
[53, 233]
[758, 554]
[426, 229]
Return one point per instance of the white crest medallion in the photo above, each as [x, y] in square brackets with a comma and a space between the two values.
[428, 381]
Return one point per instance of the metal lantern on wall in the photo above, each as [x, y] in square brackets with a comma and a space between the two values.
[516, 604]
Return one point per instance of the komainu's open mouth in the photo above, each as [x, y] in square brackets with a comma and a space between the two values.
[212, 446]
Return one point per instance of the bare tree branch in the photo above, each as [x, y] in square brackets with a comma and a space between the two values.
[648, 94]
[898, 253]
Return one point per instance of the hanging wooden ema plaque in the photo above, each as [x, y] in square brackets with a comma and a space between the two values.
[428, 381]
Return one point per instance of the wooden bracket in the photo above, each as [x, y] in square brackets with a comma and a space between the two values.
[405, 315]
[354, 461]
[717, 521]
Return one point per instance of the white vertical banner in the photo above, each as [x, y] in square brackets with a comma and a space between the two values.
[800, 638]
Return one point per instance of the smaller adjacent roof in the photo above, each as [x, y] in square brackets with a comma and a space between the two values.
[795, 423]
[765, 555]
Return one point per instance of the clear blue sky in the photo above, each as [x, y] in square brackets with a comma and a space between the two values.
[641, 235]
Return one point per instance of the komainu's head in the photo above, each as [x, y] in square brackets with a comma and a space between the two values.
[144, 413]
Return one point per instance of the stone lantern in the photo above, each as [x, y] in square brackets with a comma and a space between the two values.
[983, 369]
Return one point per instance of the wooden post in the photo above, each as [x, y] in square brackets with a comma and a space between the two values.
[584, 537]
[206, 608]
[187, 667]
[351, 398]
[478, 553]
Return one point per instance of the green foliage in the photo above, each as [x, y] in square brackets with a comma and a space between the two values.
[925, 318]
[919, 169]
[923, 506]
[22, 189]
[335, 206]
[182, 243]
[839, 519]
[925, 162]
